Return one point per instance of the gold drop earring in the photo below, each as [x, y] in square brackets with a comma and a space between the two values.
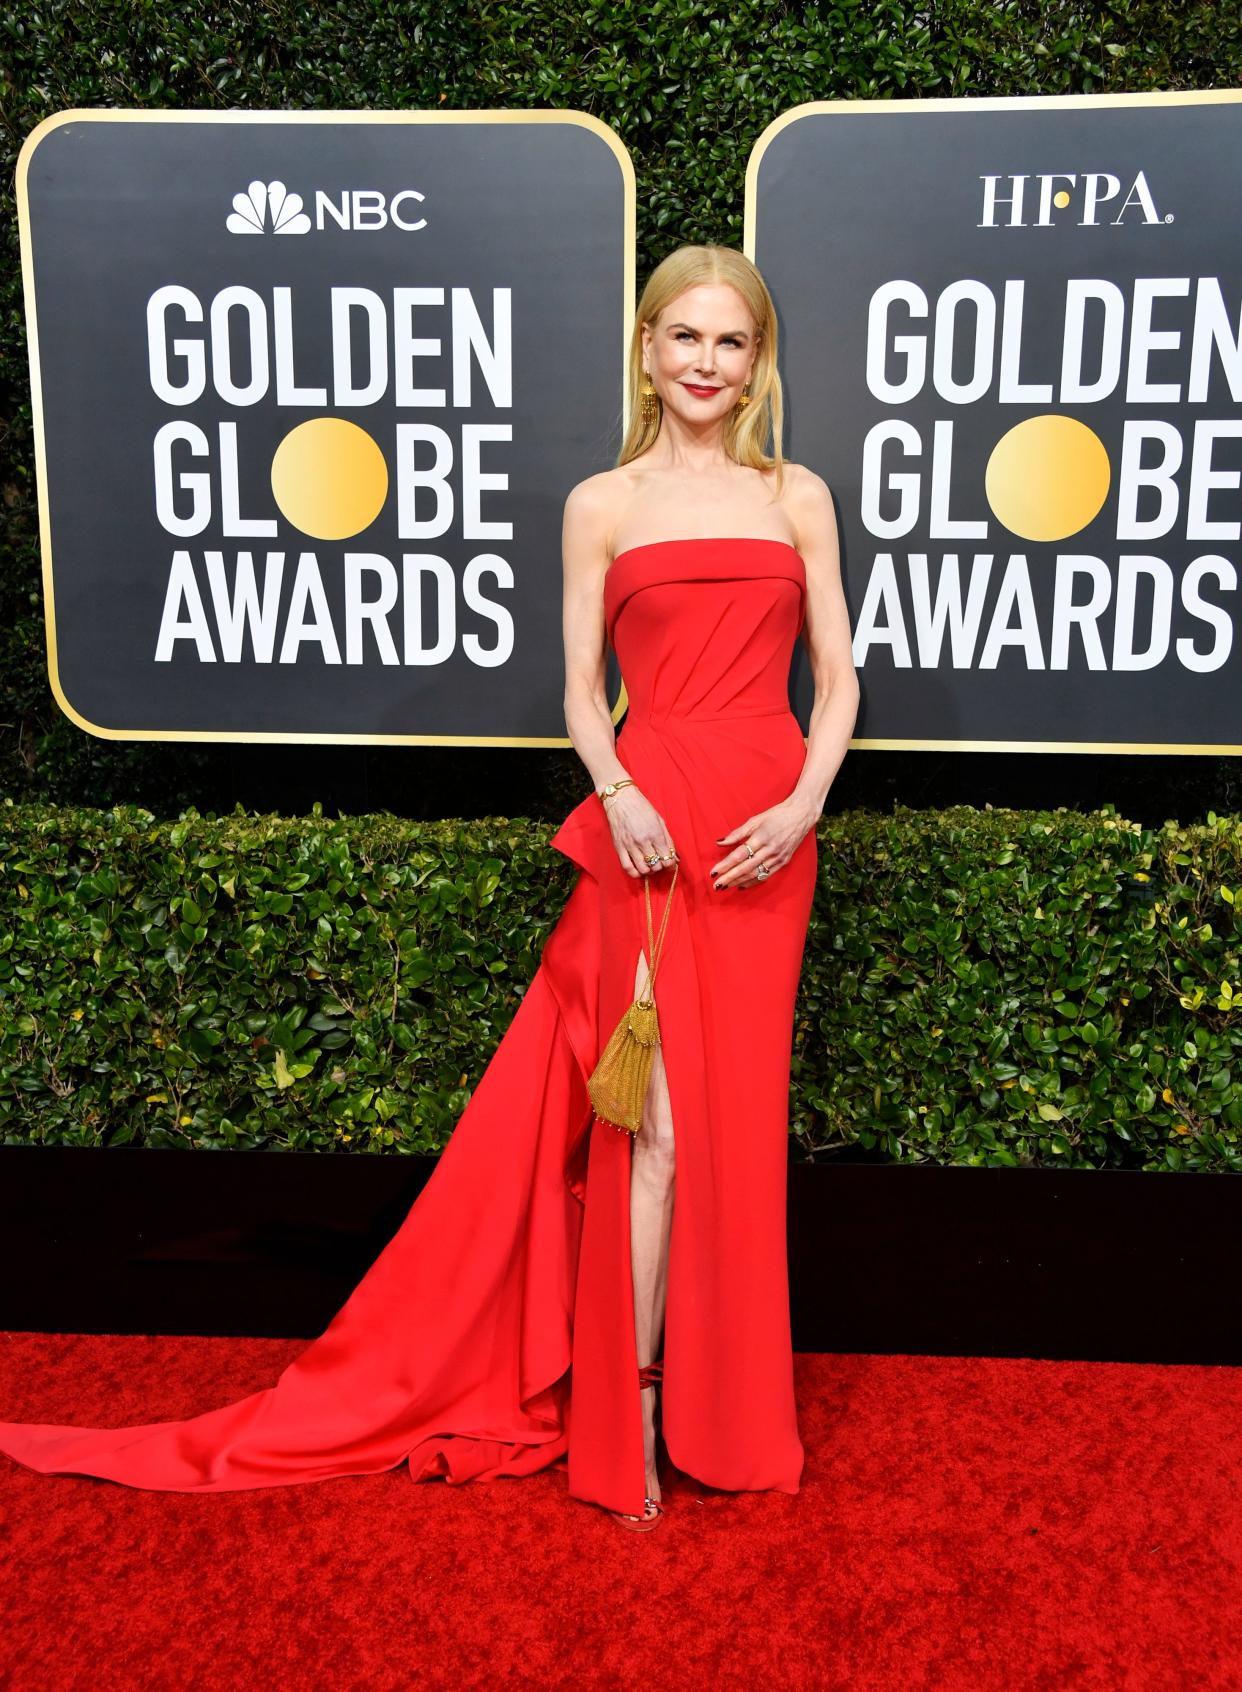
[743, 399]
[650, 399]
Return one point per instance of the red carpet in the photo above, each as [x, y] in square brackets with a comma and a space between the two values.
[964, 1523]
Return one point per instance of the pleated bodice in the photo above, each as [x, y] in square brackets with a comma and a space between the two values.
[705, 629]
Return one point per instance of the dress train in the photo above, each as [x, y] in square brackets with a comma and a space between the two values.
[494, 1334]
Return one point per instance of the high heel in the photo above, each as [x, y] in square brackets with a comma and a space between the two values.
[649, 1375]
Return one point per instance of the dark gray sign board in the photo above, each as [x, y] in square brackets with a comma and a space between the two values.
[1010, 345]
[309, 392]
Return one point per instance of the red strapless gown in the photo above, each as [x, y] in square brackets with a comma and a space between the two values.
[494, 1334]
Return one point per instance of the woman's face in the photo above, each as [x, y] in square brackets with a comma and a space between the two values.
[700, 352]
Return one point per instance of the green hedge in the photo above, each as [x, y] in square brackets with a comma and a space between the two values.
[980, 987]
[687, 84]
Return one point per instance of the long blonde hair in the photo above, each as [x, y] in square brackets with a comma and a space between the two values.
[752, 435]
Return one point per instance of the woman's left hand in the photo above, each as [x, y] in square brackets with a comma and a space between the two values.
[774, 836]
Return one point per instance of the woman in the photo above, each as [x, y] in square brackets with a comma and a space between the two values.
[700, 557]
[513, 1321]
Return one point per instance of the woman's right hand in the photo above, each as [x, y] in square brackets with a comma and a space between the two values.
[638, 830]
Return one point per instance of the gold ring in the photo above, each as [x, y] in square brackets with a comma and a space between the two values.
[749, 847]
[653, 858]
[761, 872]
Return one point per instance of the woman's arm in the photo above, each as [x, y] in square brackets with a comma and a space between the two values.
[638, 830]
[827, 635]
[584, 550]
[776, 833]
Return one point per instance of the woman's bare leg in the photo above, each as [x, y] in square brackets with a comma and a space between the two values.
[651, 1215]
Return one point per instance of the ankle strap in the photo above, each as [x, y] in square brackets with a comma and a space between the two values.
[651, 1373]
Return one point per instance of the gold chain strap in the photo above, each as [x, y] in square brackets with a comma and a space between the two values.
[654, 947]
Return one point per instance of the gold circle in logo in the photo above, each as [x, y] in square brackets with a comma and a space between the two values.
[1047, 477]
[329, 478]
[1061, 199]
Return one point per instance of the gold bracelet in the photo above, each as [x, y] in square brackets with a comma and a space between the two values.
[606, 793]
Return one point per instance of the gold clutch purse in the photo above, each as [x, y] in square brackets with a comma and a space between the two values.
[618, 1084]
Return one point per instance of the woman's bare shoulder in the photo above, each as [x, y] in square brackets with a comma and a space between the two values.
[611, 484]
[801, 482]
[593, 508]
[601, 495]
[812, 511]
[807, 498]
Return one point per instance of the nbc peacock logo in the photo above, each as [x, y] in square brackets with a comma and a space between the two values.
[267, 208]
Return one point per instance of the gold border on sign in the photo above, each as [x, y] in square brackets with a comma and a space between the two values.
[85, 114]
[988, 103]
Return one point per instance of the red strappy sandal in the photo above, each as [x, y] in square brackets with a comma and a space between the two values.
[650, 1375]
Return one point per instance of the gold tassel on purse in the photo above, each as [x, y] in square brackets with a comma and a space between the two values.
[619, 1082]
